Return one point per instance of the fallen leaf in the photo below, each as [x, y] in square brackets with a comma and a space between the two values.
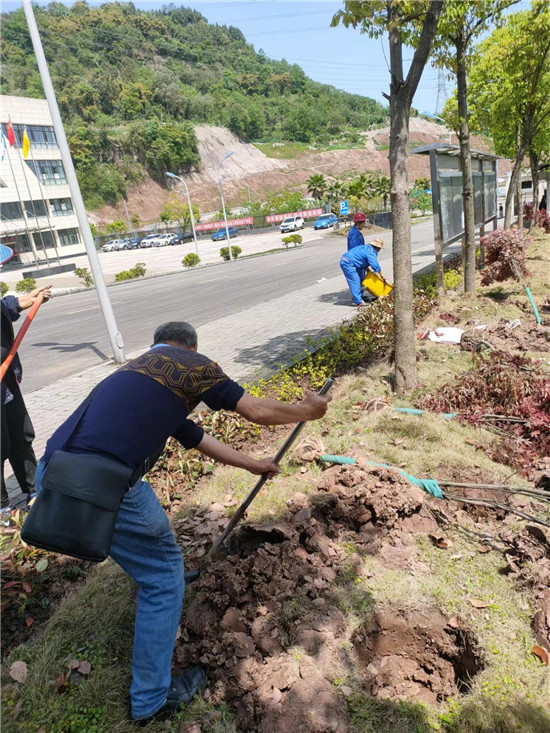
[61, 683]
[541, 653]
[483, 549]
[18, 672]
[346, 691]
[41, 565]
[27, 588]
[476, 603]
[398, 441]
[73, 663]
[10, 584]
[85, 667]
[277, 695]
[455, 622]
[29, 621]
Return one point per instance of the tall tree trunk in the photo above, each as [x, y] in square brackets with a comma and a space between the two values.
[534, 163]
[519, 201]
[516, 172]
[405, 352]
[466, 166]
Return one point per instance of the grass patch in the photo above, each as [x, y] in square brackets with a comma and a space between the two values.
[372, 715]
[292, 150]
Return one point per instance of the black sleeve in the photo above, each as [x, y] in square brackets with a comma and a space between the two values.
[223, 396]
[189, 434]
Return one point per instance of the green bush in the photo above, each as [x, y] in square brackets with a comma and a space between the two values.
[292, 239]
[235, 251]
[191, 260]
[25, 285]
[452, 278]
[85, 275]
[4, 287]
[138, 270]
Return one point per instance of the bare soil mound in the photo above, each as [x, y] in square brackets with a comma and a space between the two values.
[266, 619]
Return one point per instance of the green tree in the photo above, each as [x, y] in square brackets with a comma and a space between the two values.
[403, 21]
[382, 187]
[317, 186]
[135, 221]
[459, 24]
[177, 209]
[118, 226]
[422, 183]
[510, 87]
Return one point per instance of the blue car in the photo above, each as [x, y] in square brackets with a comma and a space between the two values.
[325, 221]
[221, 234]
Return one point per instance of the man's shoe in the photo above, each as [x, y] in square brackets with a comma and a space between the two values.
[5, 517]
[183, 689]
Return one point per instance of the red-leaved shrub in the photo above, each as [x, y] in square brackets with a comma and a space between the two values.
[540, 218]
[503, 385]
[505, 252]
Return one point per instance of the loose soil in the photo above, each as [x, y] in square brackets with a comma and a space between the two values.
[267, 619]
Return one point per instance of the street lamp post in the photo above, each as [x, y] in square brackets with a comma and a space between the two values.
[222, 161]
[180, 179]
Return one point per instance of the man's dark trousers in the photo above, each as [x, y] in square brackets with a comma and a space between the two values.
[16, 440]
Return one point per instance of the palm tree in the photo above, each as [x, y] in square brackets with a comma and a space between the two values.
[317, 186]
[336, 191]
[383, 188]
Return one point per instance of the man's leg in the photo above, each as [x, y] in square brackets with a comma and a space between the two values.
[352, 276]
[5, 453]
[21, 435]
[144, 546]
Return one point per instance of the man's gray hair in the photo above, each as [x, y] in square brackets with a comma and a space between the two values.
[176, 332]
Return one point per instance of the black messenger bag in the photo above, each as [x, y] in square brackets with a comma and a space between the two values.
[76, 509]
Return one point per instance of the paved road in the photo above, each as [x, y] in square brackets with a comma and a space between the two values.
[69, 334]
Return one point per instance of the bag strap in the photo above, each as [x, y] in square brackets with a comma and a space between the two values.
[79, 414]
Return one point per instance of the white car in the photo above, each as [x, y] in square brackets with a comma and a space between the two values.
[292, 224]
[162, 240]
[111, 245]
[148, 241]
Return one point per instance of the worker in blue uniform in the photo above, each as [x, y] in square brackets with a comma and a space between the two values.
[354, 264]
[355, 235]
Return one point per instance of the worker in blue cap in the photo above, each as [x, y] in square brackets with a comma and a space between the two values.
[354, 264]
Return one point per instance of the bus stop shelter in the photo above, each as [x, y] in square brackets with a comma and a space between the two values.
[447, 201]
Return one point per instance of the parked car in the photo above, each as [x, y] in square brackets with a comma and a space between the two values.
[182, 237]
[325, 221]
[148, 240]
[222, 234]
[121, 244]
[110, 245]
[133, 243]
[162, 240]
[292, 224]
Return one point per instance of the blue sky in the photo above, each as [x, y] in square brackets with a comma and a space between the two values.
[300, 33]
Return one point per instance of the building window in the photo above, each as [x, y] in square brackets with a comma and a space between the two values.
[43, 240]
[11, 211]
[68, 236]
[40, 136]
[61, 207]
[50, 172]
[35, 208]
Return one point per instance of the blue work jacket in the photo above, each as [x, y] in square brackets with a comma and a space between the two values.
[355, 238]
[363, 256]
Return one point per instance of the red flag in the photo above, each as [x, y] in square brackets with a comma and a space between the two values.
[11, 134]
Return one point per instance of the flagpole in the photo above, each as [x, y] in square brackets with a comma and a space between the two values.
[115, 336]
[31, 240]
[23, 166]
[45, 207]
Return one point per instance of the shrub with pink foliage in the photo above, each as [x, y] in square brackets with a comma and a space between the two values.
[505, 255]
[540, 218]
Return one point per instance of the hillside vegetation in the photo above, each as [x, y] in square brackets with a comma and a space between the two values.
[132, 83]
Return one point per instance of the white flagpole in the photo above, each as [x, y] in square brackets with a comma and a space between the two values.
[115, 336]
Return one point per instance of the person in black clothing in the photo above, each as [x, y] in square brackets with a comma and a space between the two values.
[129, 418]
[17, 430]
[542, 204]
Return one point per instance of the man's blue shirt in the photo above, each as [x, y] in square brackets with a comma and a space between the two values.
[362, 257]
[355, 238]
[136, 409]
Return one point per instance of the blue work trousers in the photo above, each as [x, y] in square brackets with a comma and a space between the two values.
[145, 547]
[354, 278]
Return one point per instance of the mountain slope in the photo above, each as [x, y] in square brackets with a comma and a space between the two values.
[131, 84]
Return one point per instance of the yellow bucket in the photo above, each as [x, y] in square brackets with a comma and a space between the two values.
[377, 285]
